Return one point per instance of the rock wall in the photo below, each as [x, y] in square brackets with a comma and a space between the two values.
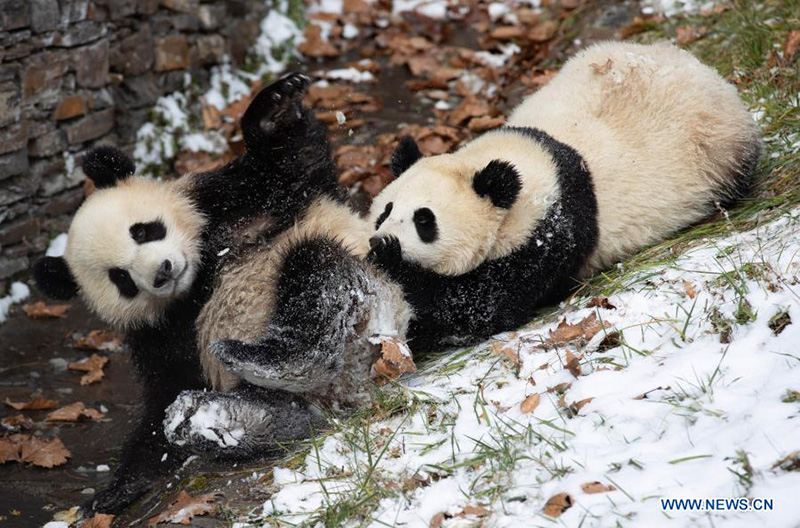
[75, 73]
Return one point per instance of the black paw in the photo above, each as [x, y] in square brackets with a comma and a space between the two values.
[115, 498]
[275, 107]
[385, 251]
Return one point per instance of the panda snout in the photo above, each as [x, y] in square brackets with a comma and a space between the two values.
[163, 274]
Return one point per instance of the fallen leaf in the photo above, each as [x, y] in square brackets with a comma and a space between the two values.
[477, 510]
[600, 302]
[573, 364]
[557, 504]
[73, 412]
[43, 453]
[484, 123]
[791, 44]
[687, 35]
[40, 310]
[185, 508]
[93, 366]
[34, 404]
[604, 68]
[436, 520]
[18, 421]
[469, 107]
[314, 45]
[529, 404]
[581, 403]
[9, 448]
[97, 340]
[395, 360]
[507, 32]
[586, 328]
[543, 32]
[99, 520]
[498, 348]
[689, 289]
[596, 487]
[69, 516]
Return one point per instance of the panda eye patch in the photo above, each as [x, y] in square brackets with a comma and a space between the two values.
[384, 215]
[142, 233]
[124, 283]
[425, 222]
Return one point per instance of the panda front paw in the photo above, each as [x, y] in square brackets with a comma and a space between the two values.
[385, 252]
[284, 99]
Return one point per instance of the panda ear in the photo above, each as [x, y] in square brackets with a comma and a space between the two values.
[499, 181]
[405, 155]
[54, 278]
[107, 165]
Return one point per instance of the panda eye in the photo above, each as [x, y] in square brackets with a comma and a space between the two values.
[384, 215]
[425, 222]
[142, 233]
[124, 283]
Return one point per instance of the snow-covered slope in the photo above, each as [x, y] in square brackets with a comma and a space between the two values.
[690, 391]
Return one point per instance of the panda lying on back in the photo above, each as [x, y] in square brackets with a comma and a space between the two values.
[144, 255]
[626, 145]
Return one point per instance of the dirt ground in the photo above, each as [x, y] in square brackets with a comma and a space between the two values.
[34, 352]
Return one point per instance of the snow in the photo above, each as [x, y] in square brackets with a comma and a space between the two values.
[436, 9]
[676, 7]
[498, 60]
[348, 74]
[18, 293]
[57, 246]
[711, 408]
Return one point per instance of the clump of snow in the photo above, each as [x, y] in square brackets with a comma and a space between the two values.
[57, 246]
[498, 60]
[18, 293]
[436, 9]
[348, 74]
[689, 396]
[676, 7]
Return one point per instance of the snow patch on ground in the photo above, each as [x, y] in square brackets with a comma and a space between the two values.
[676, 7]
[436, 9]
[57, 246]
[717, 419]
[18, 293]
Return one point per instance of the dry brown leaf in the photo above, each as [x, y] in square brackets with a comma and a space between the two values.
[9, 448]
[469, 107]
[18, 421]
[573, 364]
[73, 412]
[507, 32]
[34, 404]
[314, 45]
[498, 348]
[97, 340]
[596, 487]
[791, 44]
[69, 516]
[43, 453]
[395, 360]
[687, 35]
[484, 123]
[543, 32]
[581, 403]
[436, 520]
[570, 4]
[39, 310]
[600, 302]
[99, 520]
[477, 510]
[529, 404]
[689, 289]
[557, 504]
[586, 328]
[185, 508]
[93, 366]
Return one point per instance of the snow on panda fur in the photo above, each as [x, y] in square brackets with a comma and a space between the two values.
[626, 145]
[144, 255]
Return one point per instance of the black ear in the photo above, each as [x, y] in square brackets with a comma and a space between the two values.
[54, 278]
[405, 155]
[107, 165]
[500, 181]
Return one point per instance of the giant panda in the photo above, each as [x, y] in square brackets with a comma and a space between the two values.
[144, 255]
[626, 145]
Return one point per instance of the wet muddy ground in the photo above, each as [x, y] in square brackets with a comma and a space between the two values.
[34, 352]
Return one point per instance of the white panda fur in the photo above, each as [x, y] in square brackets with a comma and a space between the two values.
[662, 134]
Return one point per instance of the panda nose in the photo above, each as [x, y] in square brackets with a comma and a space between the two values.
[373, 241]
[163, 274]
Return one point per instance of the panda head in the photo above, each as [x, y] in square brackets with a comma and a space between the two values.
[445, 210]
[133, 246]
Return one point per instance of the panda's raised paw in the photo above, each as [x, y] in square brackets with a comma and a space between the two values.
[274, 108]
[385, 251]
